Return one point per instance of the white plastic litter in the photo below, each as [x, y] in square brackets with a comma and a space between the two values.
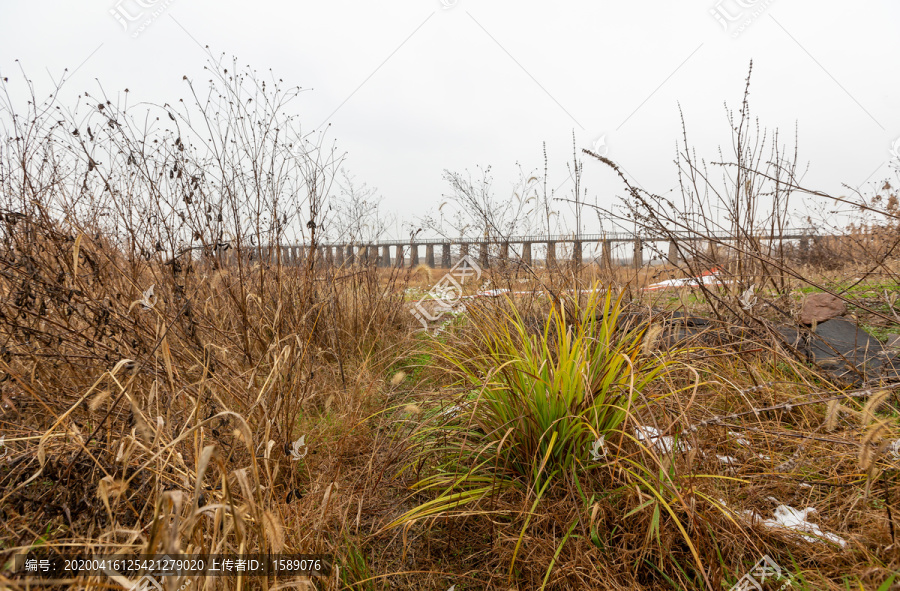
[738, 438]
[787, 517]
[598, 449]
[727, 460]
[895, 449]
[663, 443]
[707, 278]
[297, 446]
[747, 299]
[451, 410]
[148, 298]
[454, 409]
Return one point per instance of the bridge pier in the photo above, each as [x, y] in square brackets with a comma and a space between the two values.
[413, 255]
[551, 254]
[713, 251]
[445, 255]
[606, 254]
[399, 258]
[673, 253]
[464, 250]
[638, 259]
[339, 255]
[526, 253]
[349, 256]
[386, 257]
[429, 255]
[504, 254]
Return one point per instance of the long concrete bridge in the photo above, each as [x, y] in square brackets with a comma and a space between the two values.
[408, 251]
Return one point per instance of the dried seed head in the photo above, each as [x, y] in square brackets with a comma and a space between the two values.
[98, 400]
[875, 402]
[274, 531]
[831, 415]
[651, 338]
[141, 427]
[868, 447]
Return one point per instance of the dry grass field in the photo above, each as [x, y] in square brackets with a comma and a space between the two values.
[164, 391]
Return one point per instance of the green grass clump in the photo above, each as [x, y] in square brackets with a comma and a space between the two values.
[547, 396]
[538, 397]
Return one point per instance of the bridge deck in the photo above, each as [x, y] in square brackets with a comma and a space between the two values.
[787, 234]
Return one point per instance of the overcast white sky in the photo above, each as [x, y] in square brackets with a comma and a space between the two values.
[420, 86]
